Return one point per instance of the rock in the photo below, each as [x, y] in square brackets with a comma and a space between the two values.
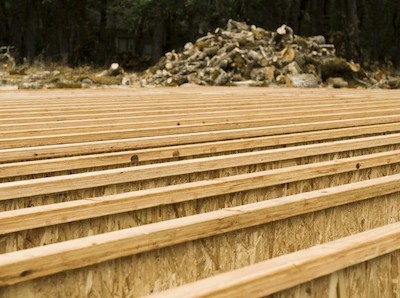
[393, 83]
[30, 85]
[337, 82]
[126, 81]
[301, 81]
[86, 83]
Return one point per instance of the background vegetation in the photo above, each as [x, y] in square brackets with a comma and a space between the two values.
[84, 31]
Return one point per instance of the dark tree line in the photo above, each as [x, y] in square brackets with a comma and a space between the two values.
[85, 31]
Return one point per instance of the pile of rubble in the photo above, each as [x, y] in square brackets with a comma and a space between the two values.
[248, 55]
[42, 76]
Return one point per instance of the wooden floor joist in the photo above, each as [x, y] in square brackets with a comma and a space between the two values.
[33, 263]
[139, 156]
[18, 124]
[198, 192]
[83, 209]
[204, 142]
[225, 123]
[253, 128]
[14, 190]
[281, 273]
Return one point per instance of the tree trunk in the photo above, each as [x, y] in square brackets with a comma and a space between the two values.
[102, 47]
[353, 48]
[4, 26]
[30, 32]
[301, 81]
[158, 40]
[17, 19]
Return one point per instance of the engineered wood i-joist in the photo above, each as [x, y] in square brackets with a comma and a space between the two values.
[134, 157]
[227, 123]
[33, 263]
[48, 132]
[83, 209]
[18, 124]
[18, 118]
[179, 104]
[192, 94]
[251, 128]
[198, 139]
[283, 272]
[13, 190]
[182, 107]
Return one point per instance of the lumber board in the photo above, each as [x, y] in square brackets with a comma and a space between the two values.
[34, 217]
[32, 263]
[166, 178]
[228, 123]
[277, 274]
[157, 113]
[162, 109]
[193, 94]
[190, 95]
[18, 189]
[251, 127]
[51, 151]
[189, 100]
[206, 117]
[139, 156]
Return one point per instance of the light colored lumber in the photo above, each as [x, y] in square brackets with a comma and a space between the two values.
[250, 126]
[227, 123]
[51, 151]
[32, 263]
[192, 100]
[239, 94]
[208, 101]
[162, 109]
[246, 114]
[12, 190]
[100, 206]
[284, 107]
[136, 156]
[281, 273]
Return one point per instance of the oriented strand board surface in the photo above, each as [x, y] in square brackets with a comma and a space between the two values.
[76, 164]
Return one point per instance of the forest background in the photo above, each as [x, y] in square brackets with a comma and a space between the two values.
[79, 32]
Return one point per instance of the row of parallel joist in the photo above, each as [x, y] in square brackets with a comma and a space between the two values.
[200, 192]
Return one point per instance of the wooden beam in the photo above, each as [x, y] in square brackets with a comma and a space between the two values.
[51, 151]
[210, 95]
[281, 273]
[12, 190]
[34, 217]
[191, 100]
[161, 109]
[226, 122]
[126, 157]
[32, 263]
[252, 127]
[151, 113]
[206, 117]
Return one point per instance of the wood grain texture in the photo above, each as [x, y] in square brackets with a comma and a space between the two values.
[135, 191]
[290, 270]
[82, 209]
[91, 250]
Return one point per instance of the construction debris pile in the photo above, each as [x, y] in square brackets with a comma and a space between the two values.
[248, 55]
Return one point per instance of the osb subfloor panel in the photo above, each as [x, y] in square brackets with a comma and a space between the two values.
[192, 151]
